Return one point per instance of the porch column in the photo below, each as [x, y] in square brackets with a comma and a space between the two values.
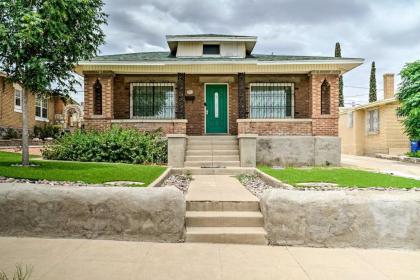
[241, 96]
[180, 113]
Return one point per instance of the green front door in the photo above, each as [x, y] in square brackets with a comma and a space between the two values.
[216, 109]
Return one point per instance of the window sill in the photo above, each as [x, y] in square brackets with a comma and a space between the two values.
[134, 120]
[38, 119]
[273, 120]
[372, 132]
[18, 109]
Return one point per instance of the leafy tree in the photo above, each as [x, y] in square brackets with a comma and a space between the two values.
[372, 85]
[409, 97]
[340, 81]
[42, 40]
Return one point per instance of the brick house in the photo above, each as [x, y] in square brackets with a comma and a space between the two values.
[214, 84]
[42, 110]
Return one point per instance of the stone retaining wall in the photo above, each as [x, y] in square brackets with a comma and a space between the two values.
[142, 214]
[342, 219]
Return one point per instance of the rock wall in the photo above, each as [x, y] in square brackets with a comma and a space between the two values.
[298, 150]
[368, 219]
[142, 214]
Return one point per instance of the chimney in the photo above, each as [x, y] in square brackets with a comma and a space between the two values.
[388, 85]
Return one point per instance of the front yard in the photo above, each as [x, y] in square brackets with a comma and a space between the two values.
[344, 177]
[93, 173]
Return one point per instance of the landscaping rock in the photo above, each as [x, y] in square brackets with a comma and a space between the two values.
[181, 182]
[317, 185]
[342, 219]
[142, 214]
[123, 184]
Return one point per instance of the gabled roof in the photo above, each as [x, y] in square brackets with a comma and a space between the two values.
[377, 103]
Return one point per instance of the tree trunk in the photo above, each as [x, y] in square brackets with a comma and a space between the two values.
[25, 129]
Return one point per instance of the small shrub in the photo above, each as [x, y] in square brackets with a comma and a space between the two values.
[46, 131]
[20, 273]
[113, 145]
[414, 154]
[11, 133]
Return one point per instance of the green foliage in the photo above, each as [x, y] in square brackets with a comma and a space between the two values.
[344, 177]
[20, 273]
[113, 145]
[409, 97]
[73, 171]
[372, 84]
[340, 81]
[414, 154]
[46, 131]
[41, 41]
[11, 133]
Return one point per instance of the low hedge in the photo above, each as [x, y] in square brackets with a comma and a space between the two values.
[113, 145]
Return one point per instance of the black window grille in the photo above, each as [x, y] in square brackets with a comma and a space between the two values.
[153, 100]
[211, 49]
[271, 100]
[325, 98]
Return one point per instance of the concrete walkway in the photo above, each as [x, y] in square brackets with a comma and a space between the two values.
[217, 188]
[70, 259]
[404, 169]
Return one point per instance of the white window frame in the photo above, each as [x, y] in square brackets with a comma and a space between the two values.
[40, 99]
[374, 128]
[17, 89]
[211, 55]
[150, 84]
[292, 85]
[350, 119]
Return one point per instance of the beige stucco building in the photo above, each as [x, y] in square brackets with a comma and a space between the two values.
[374, 127]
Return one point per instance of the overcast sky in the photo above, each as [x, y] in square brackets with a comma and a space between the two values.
[385, 31]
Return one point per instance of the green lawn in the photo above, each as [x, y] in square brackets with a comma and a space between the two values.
[87, 172]
[344, 177]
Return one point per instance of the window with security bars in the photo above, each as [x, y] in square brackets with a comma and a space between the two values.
[153, 100]
[271, 100]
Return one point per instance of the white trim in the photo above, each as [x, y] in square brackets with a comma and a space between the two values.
[41, 118]
[292, 85]
[221, 61]
[17, 88]
[205, 107]
[149, 121]
[150, 84]
[180, 38]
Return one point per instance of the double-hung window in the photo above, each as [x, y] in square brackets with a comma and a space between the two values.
[153, 100]
[41, 108]
[17, 98]
[271, 100]
[373, 121]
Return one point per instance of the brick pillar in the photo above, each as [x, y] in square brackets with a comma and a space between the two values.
[180, 113]
[324, 124]
[241, 96]
[103, 121]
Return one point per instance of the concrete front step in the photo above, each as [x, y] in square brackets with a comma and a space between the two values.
[213, 152]
[210, 141]
[247, 206]
[238, 235]
[214, 171]
[213, 137]
[206, 146]
[212, 158]
[218, 163]
[224, 219]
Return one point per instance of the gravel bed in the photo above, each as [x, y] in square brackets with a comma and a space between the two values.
[46, 182]
[181, 182]
[257, 186]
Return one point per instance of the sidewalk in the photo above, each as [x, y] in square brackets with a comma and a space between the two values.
[398, 168]
[73, 259]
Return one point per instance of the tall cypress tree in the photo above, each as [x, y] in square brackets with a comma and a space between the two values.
[340, 85]
[372, 85]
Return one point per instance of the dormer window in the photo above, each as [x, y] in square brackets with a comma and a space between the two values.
[211, 49]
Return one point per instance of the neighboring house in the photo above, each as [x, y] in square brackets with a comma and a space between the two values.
[215, 84]
[374, 127]
[42, 110]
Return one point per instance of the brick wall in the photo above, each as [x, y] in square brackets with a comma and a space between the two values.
[324, 124]
[275, 127]
[168, 127]
[11, 119]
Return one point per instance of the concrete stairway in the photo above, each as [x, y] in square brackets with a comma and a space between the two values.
[212, 152]
[225, 222]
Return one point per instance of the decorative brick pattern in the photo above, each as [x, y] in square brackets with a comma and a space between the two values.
[279, 128]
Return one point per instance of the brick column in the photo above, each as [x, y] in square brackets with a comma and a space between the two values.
[324, 124]
[241, 96]
[91, 120]
[180, 108]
